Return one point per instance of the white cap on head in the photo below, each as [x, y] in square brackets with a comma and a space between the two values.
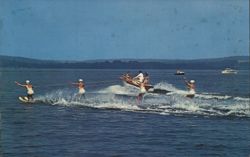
[192, 81]
[27, 81]
[80, 80]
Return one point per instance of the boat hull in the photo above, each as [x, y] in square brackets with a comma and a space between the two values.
[130, 81]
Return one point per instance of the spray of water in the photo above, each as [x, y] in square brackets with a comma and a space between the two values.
[124, 98]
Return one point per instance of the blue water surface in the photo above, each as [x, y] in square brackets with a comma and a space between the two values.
[216, 123]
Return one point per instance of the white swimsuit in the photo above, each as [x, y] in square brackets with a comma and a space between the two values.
[143, 90]
[191, 91]
[30, 91]
[81, 90]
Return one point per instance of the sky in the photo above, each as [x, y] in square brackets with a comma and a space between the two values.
[113, 29]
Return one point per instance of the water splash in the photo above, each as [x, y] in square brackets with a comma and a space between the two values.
[118, 89]
[124, 98]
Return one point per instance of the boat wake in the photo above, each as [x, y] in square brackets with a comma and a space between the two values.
[124, 98]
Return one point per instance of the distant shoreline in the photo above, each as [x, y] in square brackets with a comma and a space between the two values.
[235, 62]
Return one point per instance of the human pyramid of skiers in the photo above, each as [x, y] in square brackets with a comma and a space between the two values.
[141, 80]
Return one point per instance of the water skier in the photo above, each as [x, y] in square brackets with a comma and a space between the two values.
[141, 93]
[81, 87]
[146, 78]
[139, 78]
[191, 87]
[143, 88]
[29, 87]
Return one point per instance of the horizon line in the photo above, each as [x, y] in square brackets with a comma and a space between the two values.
[114, 59]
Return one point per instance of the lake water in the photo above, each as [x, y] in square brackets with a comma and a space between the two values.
[109, 122]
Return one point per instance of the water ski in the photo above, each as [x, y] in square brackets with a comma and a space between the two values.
[190, 95]
[129, 80]
[25, 99]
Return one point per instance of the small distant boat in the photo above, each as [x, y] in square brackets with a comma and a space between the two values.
[229, 71]
[179, 72]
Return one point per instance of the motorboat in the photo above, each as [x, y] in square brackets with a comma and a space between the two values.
[129, 80]
[179, 72]
[229, 71]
